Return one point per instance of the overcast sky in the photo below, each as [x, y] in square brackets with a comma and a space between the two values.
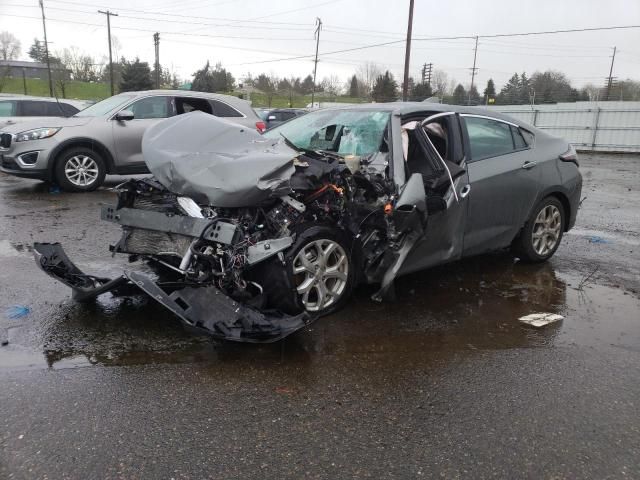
[241, 33]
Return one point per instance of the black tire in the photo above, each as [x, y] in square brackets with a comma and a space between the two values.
[540, 249]
[76, 156]
[281, 283]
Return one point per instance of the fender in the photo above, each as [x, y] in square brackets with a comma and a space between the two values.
[80, 142]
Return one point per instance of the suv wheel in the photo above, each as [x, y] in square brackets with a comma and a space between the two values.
[79, 169]
[541, 235]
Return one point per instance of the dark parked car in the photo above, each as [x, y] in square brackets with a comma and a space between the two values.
[278, 116]
[254, 236]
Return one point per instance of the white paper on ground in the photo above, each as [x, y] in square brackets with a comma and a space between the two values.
[541, 319]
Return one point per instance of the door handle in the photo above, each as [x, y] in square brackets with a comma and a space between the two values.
[465, 191]
[527, 165]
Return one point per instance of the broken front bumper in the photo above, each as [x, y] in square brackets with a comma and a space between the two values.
[204, 309]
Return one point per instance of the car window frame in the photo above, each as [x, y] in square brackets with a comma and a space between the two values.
[178, 97]
[470, 158]
[171, 110]
[213, 108]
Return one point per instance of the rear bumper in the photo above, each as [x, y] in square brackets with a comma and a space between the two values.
[203, 309]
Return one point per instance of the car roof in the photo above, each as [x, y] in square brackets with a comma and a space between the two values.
[243, 105]
[78, 103]
[407, 108]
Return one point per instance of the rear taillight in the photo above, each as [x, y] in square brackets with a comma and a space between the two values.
[570, 156]
[261, 127]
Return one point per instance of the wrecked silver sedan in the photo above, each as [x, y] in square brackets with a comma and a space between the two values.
[250, 237]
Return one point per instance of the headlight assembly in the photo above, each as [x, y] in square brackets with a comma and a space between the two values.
[36, 134]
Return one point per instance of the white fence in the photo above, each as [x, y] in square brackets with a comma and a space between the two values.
[590, 126]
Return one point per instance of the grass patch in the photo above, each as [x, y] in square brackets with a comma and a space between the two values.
[98, 91]
[75, 90]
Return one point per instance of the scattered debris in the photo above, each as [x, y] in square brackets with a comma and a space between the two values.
[16, 311]
[539, 320]
[586, 279]
[596, 239]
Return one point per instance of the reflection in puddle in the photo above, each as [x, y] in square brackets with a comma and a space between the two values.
[464, 307]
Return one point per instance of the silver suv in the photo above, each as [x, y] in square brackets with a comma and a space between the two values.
[106, 138]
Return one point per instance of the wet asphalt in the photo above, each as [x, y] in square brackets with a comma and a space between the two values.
[443, 383]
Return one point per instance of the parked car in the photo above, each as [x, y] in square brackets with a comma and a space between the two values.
[278, 116]
[22, 108]
[105, 138]
[256, 236]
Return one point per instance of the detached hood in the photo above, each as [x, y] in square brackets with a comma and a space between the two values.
[213, 160]
[45, 122]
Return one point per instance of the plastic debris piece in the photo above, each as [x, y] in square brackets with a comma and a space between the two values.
[17, 311]
[596, 239]
[539, 320]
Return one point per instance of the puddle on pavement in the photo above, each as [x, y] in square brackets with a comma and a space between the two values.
[464, 307]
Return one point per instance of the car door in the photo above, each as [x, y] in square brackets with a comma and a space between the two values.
[443, 236]
[504, 183]
[127, 134]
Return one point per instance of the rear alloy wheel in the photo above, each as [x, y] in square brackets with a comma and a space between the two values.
[80, 170]
[321, 273]
[542, 233]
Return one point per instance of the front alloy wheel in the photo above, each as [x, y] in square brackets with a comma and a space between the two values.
[81, 170]
[321, 272]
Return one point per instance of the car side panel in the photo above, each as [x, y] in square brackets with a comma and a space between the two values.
[502, 195]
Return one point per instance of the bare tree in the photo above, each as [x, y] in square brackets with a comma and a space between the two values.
[332, 85]
[440, 83]
[9, 46]
[83, 66]
[367, 73]
[592, 92]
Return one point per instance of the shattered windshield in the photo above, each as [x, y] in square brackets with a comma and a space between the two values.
[346, 132]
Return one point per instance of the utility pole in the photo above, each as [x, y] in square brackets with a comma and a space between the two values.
[407, 54]
[46, 49]
[156, 42]
[473, 69]
[315, 63]
[24, 79]
[109, 14]
[610, 79]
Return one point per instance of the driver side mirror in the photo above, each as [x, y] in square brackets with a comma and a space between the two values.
[123, 115]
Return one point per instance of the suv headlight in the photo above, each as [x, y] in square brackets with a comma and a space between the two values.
[36, 134]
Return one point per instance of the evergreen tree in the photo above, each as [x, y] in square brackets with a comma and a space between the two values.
[385, 89]
[38, 52]
[474, 96]
[525, 87]
[307, 85]
[212, 79]
[459, 95]
[490, 90]
[136, 76]
[420, 92]
[354, 91]
[510, 93]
